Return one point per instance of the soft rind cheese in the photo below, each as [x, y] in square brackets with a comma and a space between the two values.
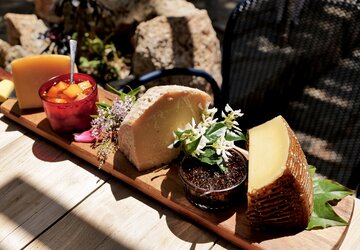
[147, 131]
[280, 189]
[31, 72]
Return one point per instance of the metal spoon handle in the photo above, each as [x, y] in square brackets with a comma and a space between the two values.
[73, 45]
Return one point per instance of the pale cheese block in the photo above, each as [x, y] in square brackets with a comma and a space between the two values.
[31, 72]
[280, 189]
[6, 88]
[147, 131]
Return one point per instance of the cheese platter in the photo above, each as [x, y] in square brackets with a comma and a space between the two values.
[164, 185]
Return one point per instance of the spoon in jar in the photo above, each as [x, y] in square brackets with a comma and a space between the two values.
[73, 45]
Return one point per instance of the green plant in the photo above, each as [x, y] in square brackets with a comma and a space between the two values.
[210, 140]
[101, 59]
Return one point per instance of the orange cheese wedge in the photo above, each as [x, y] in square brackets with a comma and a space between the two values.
[31, 72]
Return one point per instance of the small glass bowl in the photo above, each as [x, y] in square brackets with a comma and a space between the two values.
[74, 116]
[216, 199]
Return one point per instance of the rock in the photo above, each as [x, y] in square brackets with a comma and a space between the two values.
[46, 10]
[115, 15]
[104, 17]
[101, 16]
[4, 48]
[25, 29]
[156, 25]
[173, 8]
[13, 53]
[9, 53]
[177, 41]
[125, 14]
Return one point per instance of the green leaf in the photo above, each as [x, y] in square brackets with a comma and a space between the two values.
[191, 147]
[206, 160]
[325, 192]
[122, 95]
[84, 62]
[215, 130]
[209, 152]
[182, 135]
[222, 167]
[134, 92]
[209, 156]
[312, 170]
[234, 136]
[103, 105]
[178, 134]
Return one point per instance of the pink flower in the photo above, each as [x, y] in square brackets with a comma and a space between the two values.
[85, 136]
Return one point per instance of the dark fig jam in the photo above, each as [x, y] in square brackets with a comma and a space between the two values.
[207, 187]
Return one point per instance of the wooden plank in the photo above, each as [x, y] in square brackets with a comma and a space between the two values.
[39, 184]
[9, 131]
[164, 186]
[119, 217]
[352, 238]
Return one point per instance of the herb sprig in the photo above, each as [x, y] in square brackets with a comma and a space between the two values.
[105, 125]
[210, 140]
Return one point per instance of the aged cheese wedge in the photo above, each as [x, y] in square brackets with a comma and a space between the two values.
[147, 131]
[280, 190]
[31, 72]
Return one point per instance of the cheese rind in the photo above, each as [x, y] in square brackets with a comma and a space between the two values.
[280, 189]
[31, 72]
[147, 131]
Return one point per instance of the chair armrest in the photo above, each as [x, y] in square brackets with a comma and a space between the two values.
[151, 76]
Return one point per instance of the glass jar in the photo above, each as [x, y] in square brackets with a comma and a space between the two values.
[213, 198]
[74, 116]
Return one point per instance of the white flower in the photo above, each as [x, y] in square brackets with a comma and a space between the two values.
[201, 146]
[222, 146]
[190, 126]
[218, 151]
[228, 108]
[235, 113]
[193, 123]
[225, 155]
[211, 112]
[215, 142]
[201, 130]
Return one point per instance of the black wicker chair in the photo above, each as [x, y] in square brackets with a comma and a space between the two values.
[300, 59]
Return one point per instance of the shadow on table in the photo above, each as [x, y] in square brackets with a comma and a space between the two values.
[29, 209]
[11, 127]
[47, 151]
[178, 225]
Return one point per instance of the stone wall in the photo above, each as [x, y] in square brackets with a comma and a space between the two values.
[164, 34]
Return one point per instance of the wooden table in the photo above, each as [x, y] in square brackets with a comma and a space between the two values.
[50, 199]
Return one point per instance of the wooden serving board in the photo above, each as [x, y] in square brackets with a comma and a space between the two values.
[165, 186]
